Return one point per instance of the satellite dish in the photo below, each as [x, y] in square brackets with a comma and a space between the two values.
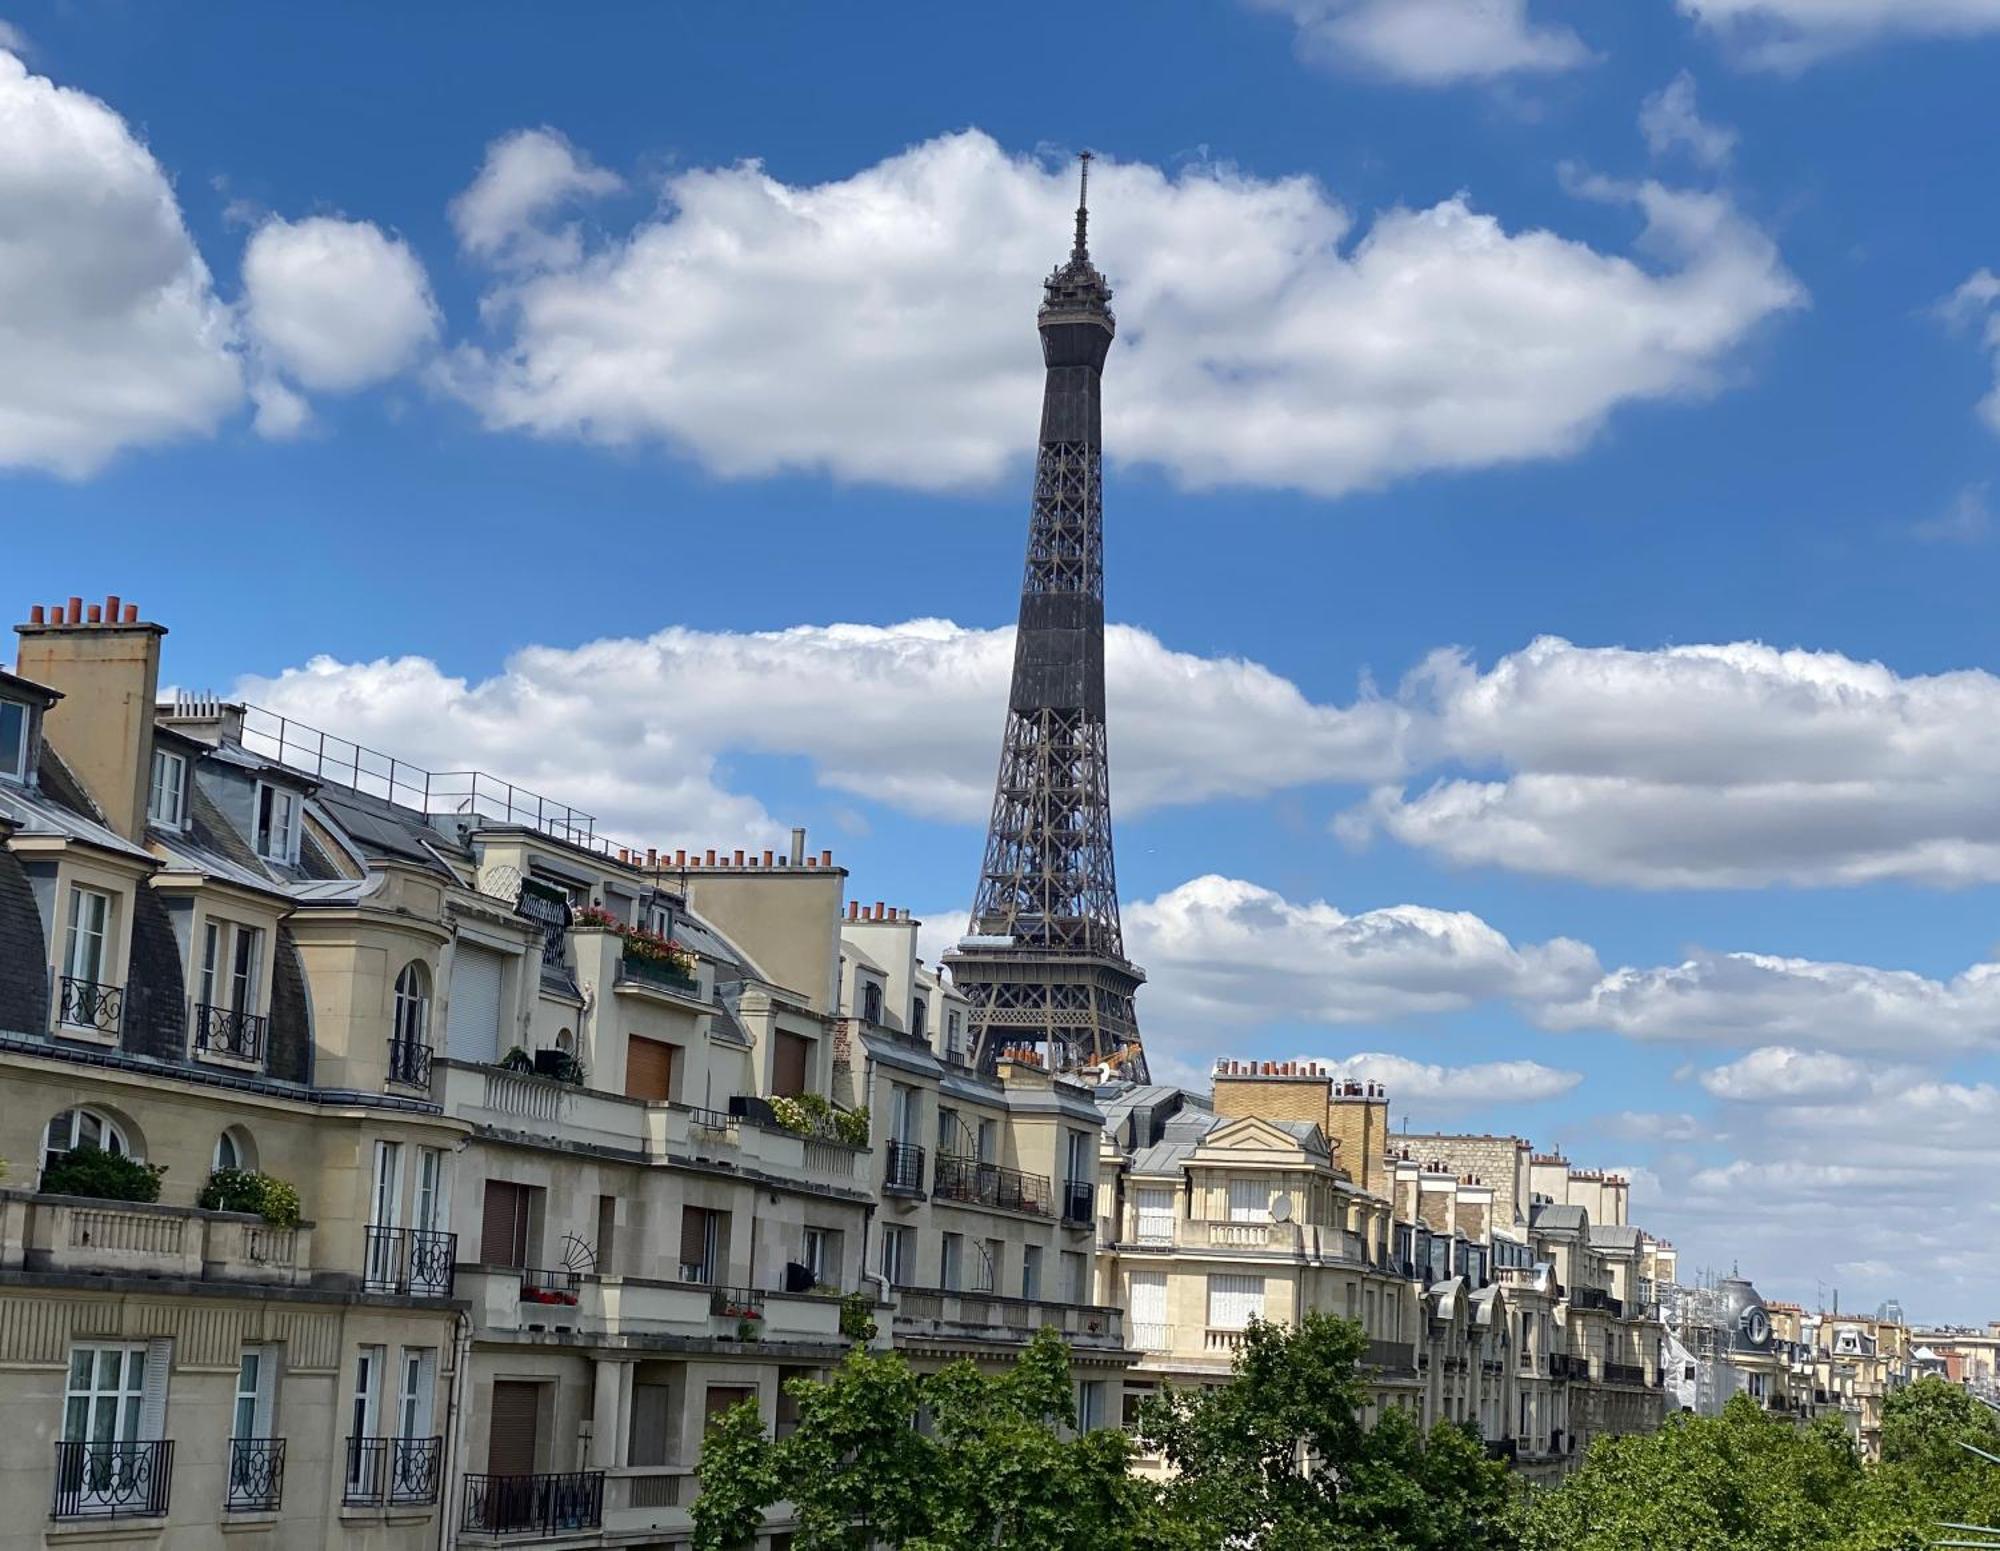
[1281, 1209]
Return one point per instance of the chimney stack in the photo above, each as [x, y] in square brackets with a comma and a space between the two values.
[798, 847]
[106, 665]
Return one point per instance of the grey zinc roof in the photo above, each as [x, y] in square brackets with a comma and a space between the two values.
[1162, 1158]
[1551, 1216]
[1613, 1236]
[42, 813]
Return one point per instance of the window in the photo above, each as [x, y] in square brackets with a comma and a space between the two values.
[254, 1388]
[1146, 1300]
[1089, 1405]
[986, 1275]
[700, 1235]
[364, 1466]
[897, 1261]
[1249, 1200]
[231, 954]
[105, 1399]
[1233, 1301]
[13, 740]
[413, 1005]
[989, 1141]
[80, 1128]
[87, 954]
[871, 1002]
[166, 800]
[277, 824]
[234, 1150]
[919, 1014]
[951, 1262]
[1076, 1277]
[1031, 1271]
[413, 1391]
[432, 1204]
[954, 1036]
[949, 1126]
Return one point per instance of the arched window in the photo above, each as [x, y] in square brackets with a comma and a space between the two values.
[81, 1128]
[413, 1004]
[235, 1150]
[566, 1042]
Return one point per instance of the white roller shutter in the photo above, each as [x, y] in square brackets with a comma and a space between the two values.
[1233, 1301]
[1156, 1214]
[1249, 1200]
[472, 1022]
[1147, 1292]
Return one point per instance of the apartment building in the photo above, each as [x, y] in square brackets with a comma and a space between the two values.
[987, 1225]
[174, 1368]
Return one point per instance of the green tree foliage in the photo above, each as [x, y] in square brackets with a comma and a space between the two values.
[994, 1465]
[1277, 1459]
[1925, 1477]
[104, 1176]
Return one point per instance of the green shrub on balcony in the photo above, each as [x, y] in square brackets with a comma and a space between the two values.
[857, 1317]
[247, 1190]
[102, 1176]
[812, 1114]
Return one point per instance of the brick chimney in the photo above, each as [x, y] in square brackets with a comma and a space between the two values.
[105, 661]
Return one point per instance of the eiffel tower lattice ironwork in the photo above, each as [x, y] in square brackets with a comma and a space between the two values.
[1044, 960]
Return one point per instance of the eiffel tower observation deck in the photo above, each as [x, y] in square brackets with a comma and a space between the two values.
[1043, 961]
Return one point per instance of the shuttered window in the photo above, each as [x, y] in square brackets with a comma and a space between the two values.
[1146, 1294]
[510, 1450]
[1156, 1214]
[503, 1232]
[789, 1059]
[1233, 1301]
[649, 1069]
[698, 1235]
[472, 1022]
[1249, 1200]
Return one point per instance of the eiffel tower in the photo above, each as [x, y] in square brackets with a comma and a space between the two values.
[1044, 962]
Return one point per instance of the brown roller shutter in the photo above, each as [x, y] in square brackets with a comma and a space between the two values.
[788, 1066]
[694, 1239]
[510, 1450]
[649, 1069]
[503, 1226]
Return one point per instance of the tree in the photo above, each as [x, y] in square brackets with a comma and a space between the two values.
[1926, 1478]
[994, 1463]
[1741, 1481]
[1277, 1459]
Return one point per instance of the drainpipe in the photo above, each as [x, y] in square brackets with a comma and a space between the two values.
[454, 1438]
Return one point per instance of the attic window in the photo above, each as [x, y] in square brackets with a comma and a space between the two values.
[277, 824]
[166, 802]
[13, 740]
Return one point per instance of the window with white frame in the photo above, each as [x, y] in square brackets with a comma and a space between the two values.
[1031, 1271]
[1249, 1200]
[256, 1390]
[413, 1004]
[1146, 1300]
[13, 740]
[231, 959]
[235, 1150]
[277, 823]
[416, 1375]
[364, 1465]
[81, 1128]
[951, 1261]
[166, 798]
[105, 1397]
[87, 950]
[1089, 1405]
[817, 1255]
[898, 1262]
[1234, 1301]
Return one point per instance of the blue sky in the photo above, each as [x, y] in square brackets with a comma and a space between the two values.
[420, 338]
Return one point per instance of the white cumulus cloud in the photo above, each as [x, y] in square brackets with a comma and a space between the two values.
[110, 330]
[633, 729]
[1670, 121]
[1975, 308]
[331, 305]
[1791, 34]
[1427, 1087]
[1731, 765]
[526, 177]
[878, 327]
[1430, 42]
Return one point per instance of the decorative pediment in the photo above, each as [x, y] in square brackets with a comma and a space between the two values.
[1253, 1133]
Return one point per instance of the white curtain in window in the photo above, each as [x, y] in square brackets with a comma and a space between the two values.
[1249, 1200]
[1233, 1301]
[1147, 1291]
[1156, 1214]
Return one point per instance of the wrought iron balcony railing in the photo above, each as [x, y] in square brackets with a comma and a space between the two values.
[223, 1031]
[410, 1062]
[960, 1178]
[736, 1302]
[1624, 1373]
[256, 1475]
[387, 1471]
[1079, 1201]
[533, 1505]
[113, 1480]
[903, 1168]
[84, 1004]
[412, 1262]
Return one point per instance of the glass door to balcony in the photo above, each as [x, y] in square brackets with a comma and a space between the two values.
[110, 1461]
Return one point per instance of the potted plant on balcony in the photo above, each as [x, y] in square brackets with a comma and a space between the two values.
[248, 1190]
[102, 1176]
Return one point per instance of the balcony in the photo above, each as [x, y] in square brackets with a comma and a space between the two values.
[232, 1035]
[1391, 1357]
[960, 1178]
[142, 1238]
[113, 1480]
[1079, 1202]
[612, 1309]
[256, 1475]
[903, 1169]
[410, 1063]
[392, 1472]
[952, 1315]
[540, 1505]
[1149, 1336]
[541, 1286]
[655, 975]
[409, 1262]
[87, 1005]
[1624, 1373]
[648, 1497]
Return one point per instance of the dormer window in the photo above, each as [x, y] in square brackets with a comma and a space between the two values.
[166, 803]
[871, 1002]
[277, 824]
[13, 740]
